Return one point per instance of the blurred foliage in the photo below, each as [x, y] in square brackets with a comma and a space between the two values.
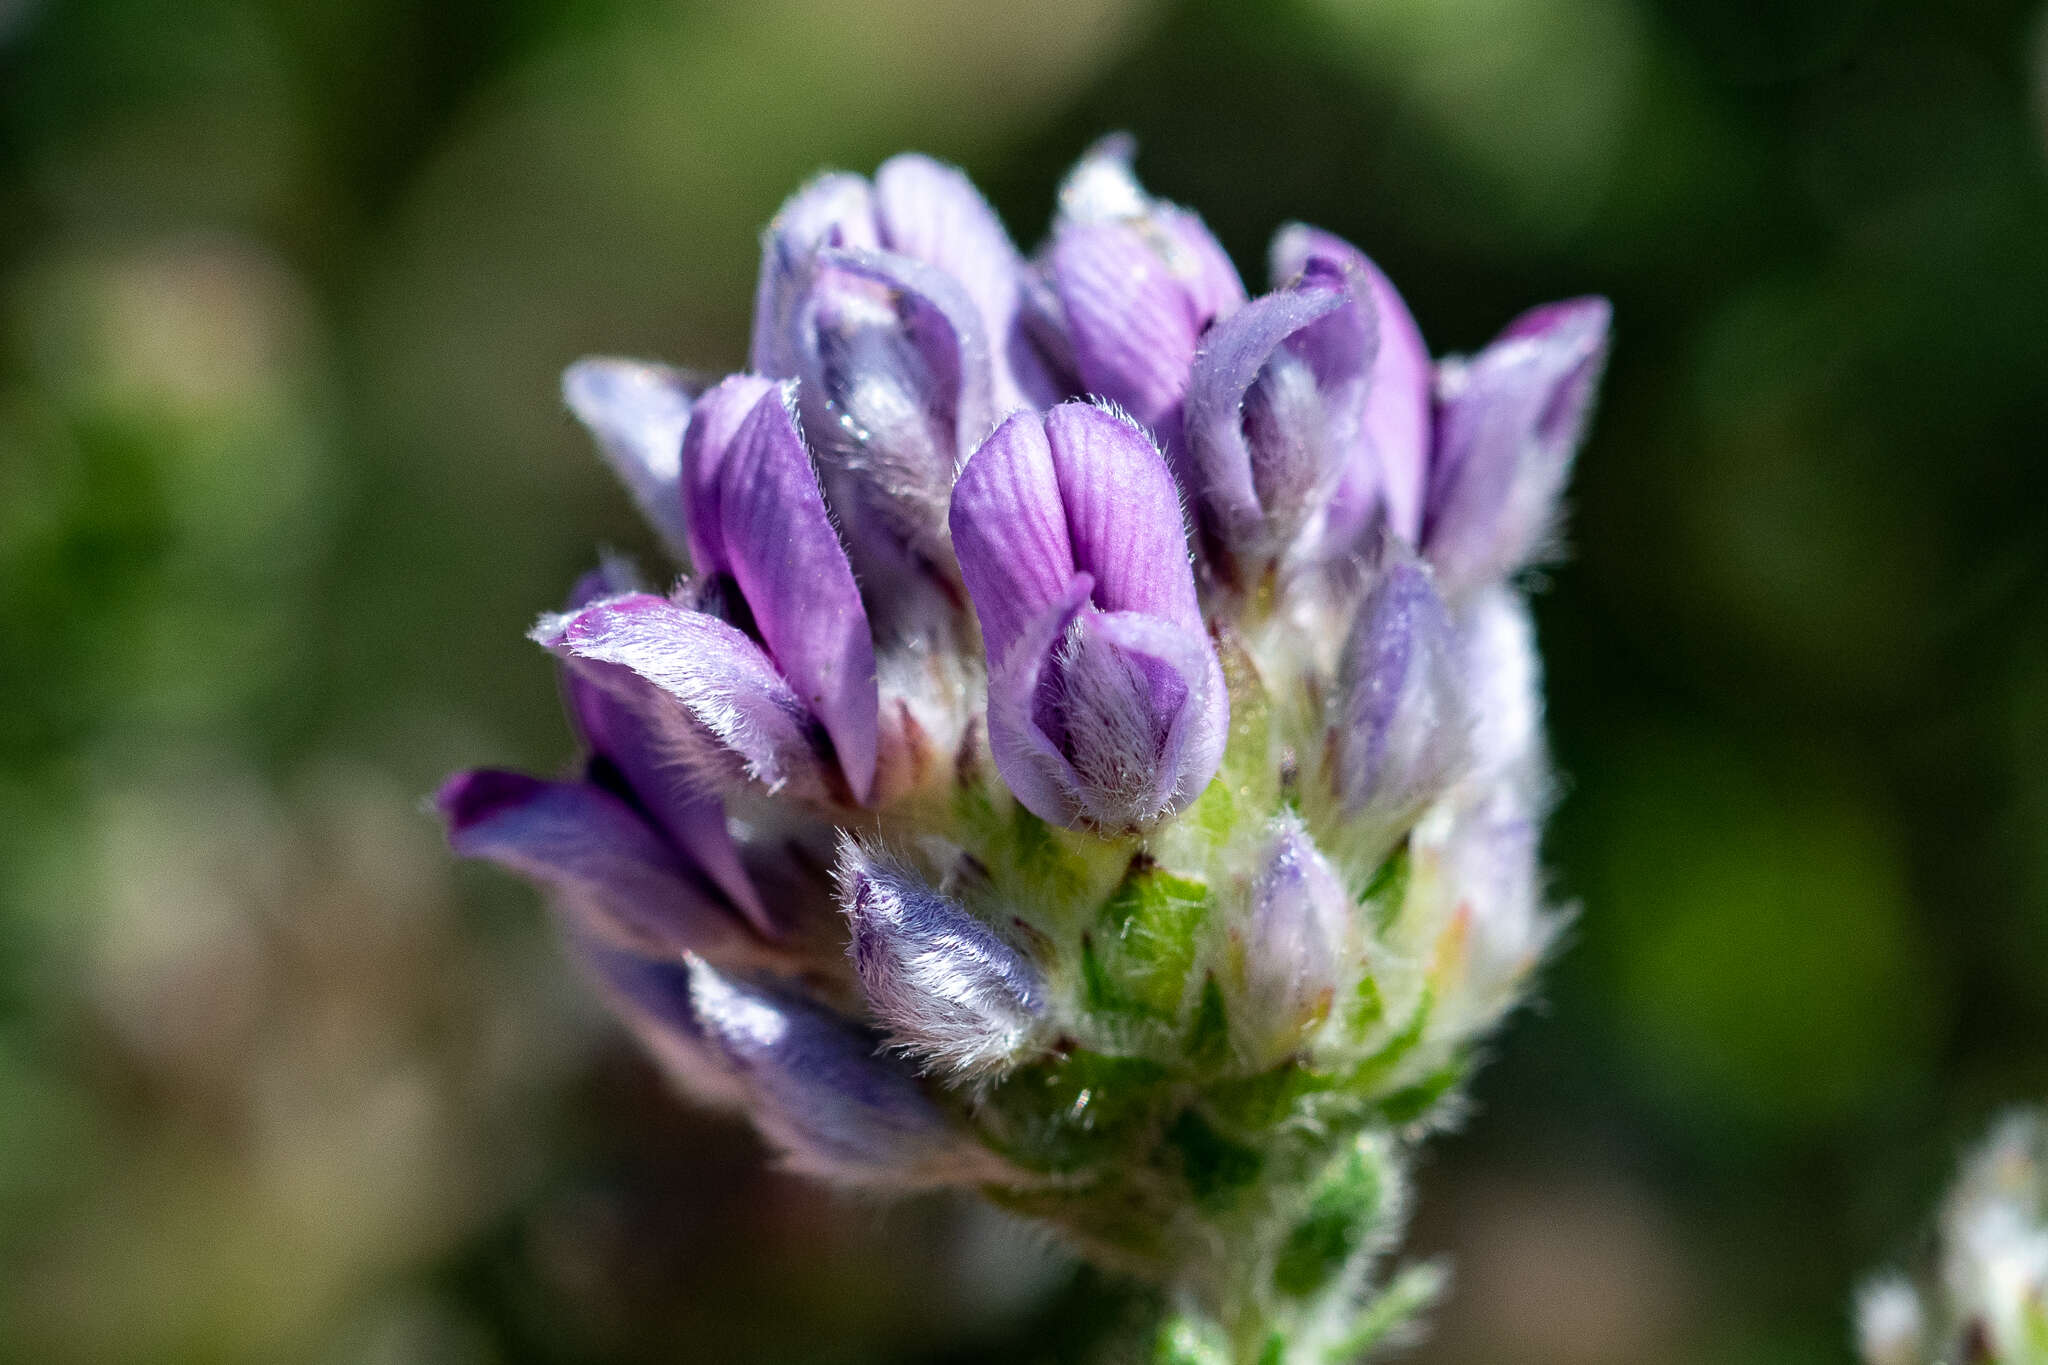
[283, 293]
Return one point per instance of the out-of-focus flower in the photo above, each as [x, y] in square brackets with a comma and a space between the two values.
[1093, 750]
[1987, 1298]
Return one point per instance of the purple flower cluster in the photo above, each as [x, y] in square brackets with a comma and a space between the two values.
[970, 510]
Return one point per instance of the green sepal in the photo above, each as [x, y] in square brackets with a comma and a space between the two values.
[1184, 1340]
[1209, 1035]
[1343, 1209]
[1215, 1167]
[1388, 1313]
[1072, 1111]
[1142, 957]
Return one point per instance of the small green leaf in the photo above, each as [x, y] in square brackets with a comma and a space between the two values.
[1412, 1102]
[1073, 1111]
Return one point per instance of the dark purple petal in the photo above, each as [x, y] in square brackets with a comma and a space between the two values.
[1265, 442]
[793, 573]
[723, 710]
[638, 412]
[1391, 464]
[615, 878]
[1010, 531]
[1404, 725]
[822, 1093]
[713, 424]
[834, 210]
[1508, 423]
[932, 213]
[1123, 514]
[1029, 759]
[941, 982]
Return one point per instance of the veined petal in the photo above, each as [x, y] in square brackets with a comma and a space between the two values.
[793, 573]
[823, 1094]
[1129, 318]
[1028, 757]
[637, 412]
[713, 424]
[616, 879]
[1508, 423]
[942, 983]
[834, 210]
[1123, 514]
[1010, 531]
[724, 710]
[1391, 464]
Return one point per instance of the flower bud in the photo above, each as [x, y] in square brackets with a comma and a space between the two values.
[1508, 422]
[942, 983]
[1138, 282]
[1403, 732]
[822, 1093]
[1294, 940]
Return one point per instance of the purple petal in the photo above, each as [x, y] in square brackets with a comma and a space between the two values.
[723, 710]
[1010, 531]
[1123, 514]
[615, 878]
[707, 439]
[1260, 437]
[793, 573]
[834, 210]
[673, 798]
[932, 213]
[943, 984]
[1029, 759]
[1508, 423]
[1392, 462]
[821, 1093]
[1129, 319]
[638, 412]
[1215, 290]
[1404, 725]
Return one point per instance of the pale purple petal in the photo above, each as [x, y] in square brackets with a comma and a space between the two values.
[724, 711]
[614, 877]
[1215, 290]
[822, 1093]
[715, 421]
[942, 983]
[1508, 423]
[1392, 463]
[1010, 531]
[1295, 937]
[793, 573]
[637, 412]
[1029, 759]
[1404, 725]
[834, 210]
[1123, 514]
[931, 212]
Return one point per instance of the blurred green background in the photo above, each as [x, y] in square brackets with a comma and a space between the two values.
[284, 290]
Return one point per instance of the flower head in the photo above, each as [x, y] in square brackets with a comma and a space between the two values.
[1091, 747]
